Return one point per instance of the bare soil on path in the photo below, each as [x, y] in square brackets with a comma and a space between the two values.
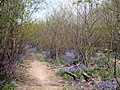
[40, 76]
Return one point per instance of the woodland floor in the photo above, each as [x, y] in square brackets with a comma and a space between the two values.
[40, 76]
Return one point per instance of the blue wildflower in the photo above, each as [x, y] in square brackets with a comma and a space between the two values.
[69, 54]
[110, 84]
[34, 49]
[70, 61]
[97, 57]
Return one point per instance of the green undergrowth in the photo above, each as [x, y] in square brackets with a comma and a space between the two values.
[9, 86]
[65, 75]
[104, 73]
[70, 78]
[44, 60]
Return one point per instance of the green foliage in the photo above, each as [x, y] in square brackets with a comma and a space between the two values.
[59, 62]
[62, 62]
[68, 77]
[89, 1]
[79, 74]
[105, 61]
[118, 72]
[9, 86]
[65, 75]
[44, 60]
[104, 74]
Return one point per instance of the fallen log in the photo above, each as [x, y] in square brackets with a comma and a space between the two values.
[86, 77]
[75, 77]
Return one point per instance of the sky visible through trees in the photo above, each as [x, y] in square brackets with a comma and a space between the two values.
[47, 7]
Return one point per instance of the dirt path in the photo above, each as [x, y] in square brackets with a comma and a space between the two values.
[41, 76]
[42, 73]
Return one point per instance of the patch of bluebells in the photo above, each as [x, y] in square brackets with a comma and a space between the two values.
[102, 85]
[70, 57]
[32, 48]
[106, 85]
[28, 46]
[97, 57]
[101, 57]
[21, 56]
[70, 54]
[76, 85]
[82, 66]
[79, 86]
[70, 61]
[113, 57]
